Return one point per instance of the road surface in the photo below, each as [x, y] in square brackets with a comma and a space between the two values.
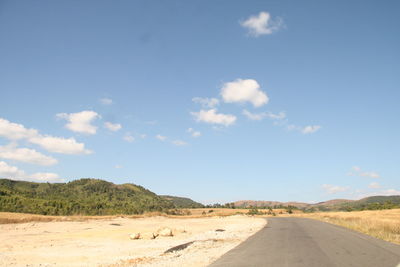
[304, 242]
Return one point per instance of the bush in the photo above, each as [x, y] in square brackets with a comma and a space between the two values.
[254, 211]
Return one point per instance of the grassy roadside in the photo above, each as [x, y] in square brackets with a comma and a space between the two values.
[382, 224]
[14, 217]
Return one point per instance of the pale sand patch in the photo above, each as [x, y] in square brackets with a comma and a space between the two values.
[98, 243]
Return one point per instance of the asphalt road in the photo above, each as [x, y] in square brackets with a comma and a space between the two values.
[304, 242]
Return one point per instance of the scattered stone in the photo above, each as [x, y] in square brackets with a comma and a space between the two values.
[220, 230]
[115, 224]
[134, 236]
[155, 235]
[179, 247]
[165, 232]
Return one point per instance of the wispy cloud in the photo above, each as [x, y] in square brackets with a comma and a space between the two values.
[112, 126]
[374, 185]
[261, 24]
[206, 102]
[128, 138]
[179, 143]
[309, 129]
[262, 115]
[80, 122]
[161, 137]
[356, 171]
[334, 189]
[106, 101]
[194, 133]
[211, 116]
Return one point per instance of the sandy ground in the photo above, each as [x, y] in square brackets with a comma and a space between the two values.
[107, 242]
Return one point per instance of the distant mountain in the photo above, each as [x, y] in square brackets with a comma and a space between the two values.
[333, 202]
[261, 204]
[374, 202]
[183, 202]
[79, 197]
[368, 203]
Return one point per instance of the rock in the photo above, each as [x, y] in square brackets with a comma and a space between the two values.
[134, 236]
[180, 247]
[219, 230]
[154, 236]
[165, 232]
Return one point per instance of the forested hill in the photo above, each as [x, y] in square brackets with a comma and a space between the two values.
[79, 197]
[183, 202]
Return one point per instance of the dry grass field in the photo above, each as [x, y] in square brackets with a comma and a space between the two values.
[11, 217]
[383, 224]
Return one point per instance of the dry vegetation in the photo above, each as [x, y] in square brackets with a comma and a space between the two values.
[12, 217]
[383, 224]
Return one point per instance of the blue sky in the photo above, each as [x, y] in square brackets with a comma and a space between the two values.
[214, 100]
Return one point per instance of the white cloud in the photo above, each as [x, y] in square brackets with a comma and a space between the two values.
[106, 101]
[161, 137]
[206, 102]
[80, 122]
[45, 177]
[143, 136]
[333, 189]
[60, 145]
[281, 120]
[129, 138]
[194, 133]
[27, 155]
[112, 126]
[261, 24]
[304, 130]
[179, 143]
[14, 131]
[241, 91]
[7, 171]
[261, 116]
[356, 171]
[370, 174]
[118, 166]
[310, 129]
[390, 192]
[12, 172]
[211, 116]
[384, 192]
[374, 185]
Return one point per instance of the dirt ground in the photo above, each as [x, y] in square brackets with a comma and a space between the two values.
[107, 242]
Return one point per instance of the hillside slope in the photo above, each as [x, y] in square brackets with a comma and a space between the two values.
[183, 202]
[83, 197]
[371, 203]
